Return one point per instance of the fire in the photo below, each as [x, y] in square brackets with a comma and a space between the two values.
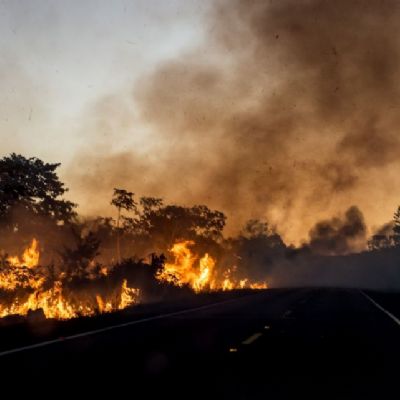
[18, 273]
[29, 291]
[128, 295]
[30, 257]
[258, 285]
[184, 272]
[200, 273]
[24, 285]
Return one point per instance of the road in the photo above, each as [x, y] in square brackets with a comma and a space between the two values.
[277, 344]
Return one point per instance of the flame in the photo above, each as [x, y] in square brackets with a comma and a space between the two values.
[200, 273]
[103, 306]
[26, 288]
[30, 257]
[56, 302]
[242, 283]
[20, 273]
[128, 295]
[258, 285]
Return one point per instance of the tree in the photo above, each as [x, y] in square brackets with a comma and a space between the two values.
[33, 186]
[256, 231]
[208, 223]
[378, 242]
[257, 248]
[396, 227]
[255, 228]
[141, 225]
[122, 200]
[77, 260]
[165, 224]
[386, 236]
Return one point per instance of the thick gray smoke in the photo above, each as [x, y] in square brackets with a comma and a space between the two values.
[339, 236]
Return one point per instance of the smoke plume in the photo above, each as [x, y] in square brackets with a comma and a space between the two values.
[339, 236]
[288, 111]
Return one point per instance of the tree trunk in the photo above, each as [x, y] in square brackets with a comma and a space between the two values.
[118, 242]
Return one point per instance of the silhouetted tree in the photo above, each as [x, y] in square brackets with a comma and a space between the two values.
[208, 223]
[396, 227]
[102, 226]
[257, 231]
[122, 200]
[378, 242]
[165, 224]
[255, 228]
[256, 248]
[33, 186]
[76, 261]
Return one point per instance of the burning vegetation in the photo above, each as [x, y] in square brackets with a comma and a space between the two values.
[200, 273]
[82, 267]
[73, 266]
[28, 288]
[303, 105]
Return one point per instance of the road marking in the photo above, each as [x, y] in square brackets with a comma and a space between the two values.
[388, 313]
[118, 326]
[233, 350]
[252, 338]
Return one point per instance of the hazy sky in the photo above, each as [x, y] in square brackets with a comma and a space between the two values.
[59, 57]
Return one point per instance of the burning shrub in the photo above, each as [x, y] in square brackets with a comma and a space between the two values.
[26, 288]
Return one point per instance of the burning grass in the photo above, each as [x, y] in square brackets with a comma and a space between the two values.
[200, 273]
[27, 286]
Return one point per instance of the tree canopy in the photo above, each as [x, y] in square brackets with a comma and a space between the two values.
[33, 185]
[177, 222]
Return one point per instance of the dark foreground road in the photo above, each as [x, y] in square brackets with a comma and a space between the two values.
[275, 344]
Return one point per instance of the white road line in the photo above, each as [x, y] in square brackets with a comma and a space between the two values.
[388, 313]
[112, 327]
[252, 338]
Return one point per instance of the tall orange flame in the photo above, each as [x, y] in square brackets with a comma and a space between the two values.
[200, 273]
[30, 257]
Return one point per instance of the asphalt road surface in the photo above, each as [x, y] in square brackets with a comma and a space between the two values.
[275, 344]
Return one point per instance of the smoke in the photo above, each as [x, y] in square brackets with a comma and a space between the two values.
[289, 111]
[385, 230]
[339, 236]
